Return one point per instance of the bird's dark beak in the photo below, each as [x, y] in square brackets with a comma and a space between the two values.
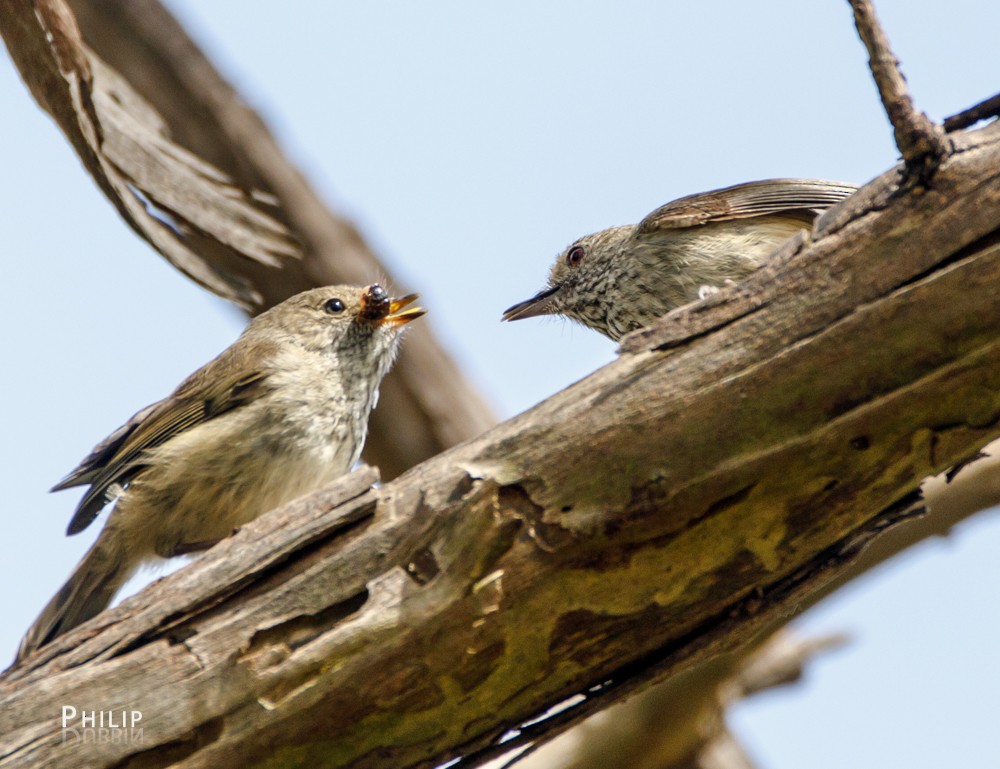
[539, 304]
[398, 316]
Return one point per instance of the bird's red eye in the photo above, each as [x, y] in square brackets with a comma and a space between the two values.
[574, 255]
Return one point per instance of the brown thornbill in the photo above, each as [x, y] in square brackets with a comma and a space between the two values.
[621, 279]
[281, 412]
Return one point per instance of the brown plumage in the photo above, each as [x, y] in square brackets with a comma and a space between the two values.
[623, 278]
[281, 412]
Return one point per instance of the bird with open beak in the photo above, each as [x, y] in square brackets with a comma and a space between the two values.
[281, 412]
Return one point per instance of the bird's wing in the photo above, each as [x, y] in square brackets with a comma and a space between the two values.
[116, 460]
[799, 199]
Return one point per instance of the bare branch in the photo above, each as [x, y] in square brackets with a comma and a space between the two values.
[665, 510]
[921, 142]
[986, 109]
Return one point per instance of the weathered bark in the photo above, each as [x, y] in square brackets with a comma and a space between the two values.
[195, 172]
[668, 508]
[663, 728]
[680, 724]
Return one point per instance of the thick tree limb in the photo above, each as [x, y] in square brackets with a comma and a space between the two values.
[668, 508]
[672, 726]
[682, 718]
[196, 173]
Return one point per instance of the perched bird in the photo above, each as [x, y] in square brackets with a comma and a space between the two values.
[621, 279]
[281, 412]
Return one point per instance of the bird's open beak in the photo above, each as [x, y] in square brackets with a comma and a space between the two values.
[398, 316]
[540, 304]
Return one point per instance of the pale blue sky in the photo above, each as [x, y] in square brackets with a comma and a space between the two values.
[472, 142]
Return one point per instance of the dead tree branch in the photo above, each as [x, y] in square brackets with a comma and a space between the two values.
[985, 110]
[921, 142]
[736, 457]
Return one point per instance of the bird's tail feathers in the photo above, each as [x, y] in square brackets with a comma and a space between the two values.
[89, 590]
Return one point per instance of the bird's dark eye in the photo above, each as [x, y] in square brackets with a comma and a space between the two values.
[333, 306]
[574, 255]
